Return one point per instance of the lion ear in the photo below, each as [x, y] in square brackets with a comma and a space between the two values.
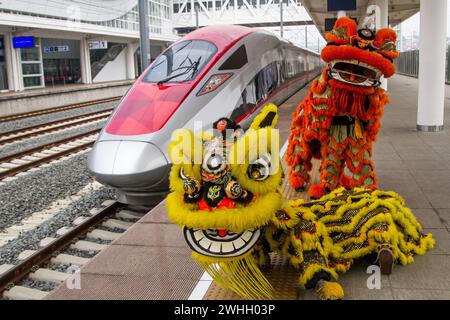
[343, 30]
[267, 118]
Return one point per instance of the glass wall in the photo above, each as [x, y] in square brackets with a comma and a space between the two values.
[3, 76]
[32, 70]
[160, 14]
[61, 60]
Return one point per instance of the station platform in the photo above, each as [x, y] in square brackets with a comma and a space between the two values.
[55, 96]
[152, 261]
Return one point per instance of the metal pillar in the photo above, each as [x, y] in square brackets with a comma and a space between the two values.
[281, 19]
[144, 33]
[13, 68]
[306, 36]
[341, 13]
[197, 23]
[383, 23]
[85, 62]
[433, 29]
[131, 66]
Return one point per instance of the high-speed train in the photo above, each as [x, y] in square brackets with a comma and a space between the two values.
[213, 72]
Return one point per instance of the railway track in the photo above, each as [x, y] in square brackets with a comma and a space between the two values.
[87, 234]
[21, 162]
[49, 127]
[57, 109]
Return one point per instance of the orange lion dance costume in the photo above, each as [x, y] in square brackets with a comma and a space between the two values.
[340, 118]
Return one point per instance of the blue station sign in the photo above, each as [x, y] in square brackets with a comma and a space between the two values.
[23, 42]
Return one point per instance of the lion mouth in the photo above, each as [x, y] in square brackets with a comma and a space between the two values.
[221, 243]
[356, 73]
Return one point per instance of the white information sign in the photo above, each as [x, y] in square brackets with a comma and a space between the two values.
[94, 45]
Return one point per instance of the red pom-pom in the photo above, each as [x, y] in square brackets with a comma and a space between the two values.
[317, 191]
[346, 182]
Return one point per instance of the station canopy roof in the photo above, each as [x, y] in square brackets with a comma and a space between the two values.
[399, 10]
[86, 10]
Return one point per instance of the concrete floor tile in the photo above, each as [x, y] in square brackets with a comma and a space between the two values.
[156, 215]
[389, 165]
[439, 199]
[357, 276]
[428, 218]
[427, 272]
[420, 294]
[445, 215]
[403, 174]
[139, 261]
[353, 293]
[110, 287]
[384, 152]
[426, 165]
[413, 195]
[442, 238]
[153, 235]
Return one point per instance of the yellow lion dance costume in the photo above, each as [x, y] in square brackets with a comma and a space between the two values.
[226, 196]
[340, 118]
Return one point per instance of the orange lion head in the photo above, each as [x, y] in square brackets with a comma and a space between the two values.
[359, 57]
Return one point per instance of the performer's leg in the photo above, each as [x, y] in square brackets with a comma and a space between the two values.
[358, 160]
[330, 170]
[298, 158]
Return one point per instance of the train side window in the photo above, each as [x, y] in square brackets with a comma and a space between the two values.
[251, 94]
[240, 109]
[237, 60]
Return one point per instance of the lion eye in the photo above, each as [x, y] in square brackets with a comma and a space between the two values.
[259, 170]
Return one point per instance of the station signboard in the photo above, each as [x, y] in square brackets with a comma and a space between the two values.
[337, 5]
[95, 45]
[23, 42]
[51, 49]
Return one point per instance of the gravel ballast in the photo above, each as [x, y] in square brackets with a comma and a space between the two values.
[30, 240]
[28, 122]
[35, 191]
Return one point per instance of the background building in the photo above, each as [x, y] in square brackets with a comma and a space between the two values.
[58, 42]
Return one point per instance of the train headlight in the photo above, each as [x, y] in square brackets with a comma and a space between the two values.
[214, 82]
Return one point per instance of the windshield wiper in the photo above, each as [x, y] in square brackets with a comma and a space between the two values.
[193, 67]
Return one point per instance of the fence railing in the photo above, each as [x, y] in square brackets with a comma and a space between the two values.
[408, 64]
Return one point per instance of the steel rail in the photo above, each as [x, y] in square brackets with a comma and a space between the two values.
[48, 124]
[49, 130]
[21, 168]
[47, 146]
[56, 109]
[26, 266]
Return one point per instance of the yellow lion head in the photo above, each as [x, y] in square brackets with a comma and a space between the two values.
[225, 188]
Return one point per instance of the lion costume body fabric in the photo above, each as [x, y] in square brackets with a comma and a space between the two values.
[233, 215]
[340, 118]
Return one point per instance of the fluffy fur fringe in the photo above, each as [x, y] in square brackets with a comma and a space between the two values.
[239, 219]
[241, 275]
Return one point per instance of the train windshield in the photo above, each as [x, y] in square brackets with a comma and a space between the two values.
[181, 62]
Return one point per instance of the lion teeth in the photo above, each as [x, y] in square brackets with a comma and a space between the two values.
[227, 247]
[238, 243]
[247, 236]
[205, 243]
[215, 247]
[198, 235]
